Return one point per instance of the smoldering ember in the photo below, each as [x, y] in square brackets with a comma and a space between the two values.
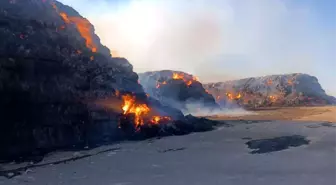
[61, 89]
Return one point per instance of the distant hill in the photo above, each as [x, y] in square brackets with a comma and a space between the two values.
[273, 90]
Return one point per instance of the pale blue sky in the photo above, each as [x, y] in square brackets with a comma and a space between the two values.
[219, 40]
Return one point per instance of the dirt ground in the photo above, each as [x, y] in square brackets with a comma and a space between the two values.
[221, 156]
[325, 113]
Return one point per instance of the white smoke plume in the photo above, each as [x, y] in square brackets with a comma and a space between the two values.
[216, 40]
[198, 109]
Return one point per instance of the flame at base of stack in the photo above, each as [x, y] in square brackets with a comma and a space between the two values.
[141, 112]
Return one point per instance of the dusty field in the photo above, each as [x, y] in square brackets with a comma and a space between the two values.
[218, 157]
[326, 113]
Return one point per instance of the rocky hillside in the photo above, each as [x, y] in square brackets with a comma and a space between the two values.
[275, 90]
[54, 76]
[177, 89]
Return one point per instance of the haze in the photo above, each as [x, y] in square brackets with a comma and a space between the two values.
[220, 40]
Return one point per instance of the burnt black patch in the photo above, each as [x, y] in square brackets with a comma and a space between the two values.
[253, 121]
[172, 150]
[313, 126]
[328, 124]
[260, 146]
[324, 124]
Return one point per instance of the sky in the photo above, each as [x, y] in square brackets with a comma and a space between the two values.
[219, 40]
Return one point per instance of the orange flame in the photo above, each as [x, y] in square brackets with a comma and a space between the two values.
[157, 119]
[229, 95]
[65, 17]
[272, 98]
[232, 97]
[158, 84]
[177, 76]
[83, 27]
[238, 96]
[195, 78]
[189, 83]
[141, 111]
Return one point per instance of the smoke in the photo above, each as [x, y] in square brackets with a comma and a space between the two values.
[216, 40]
[232, 110]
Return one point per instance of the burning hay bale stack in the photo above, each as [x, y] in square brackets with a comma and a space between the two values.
[275, 90]
[177, 89]
[52, 70]
[60, 88]
[139, 121]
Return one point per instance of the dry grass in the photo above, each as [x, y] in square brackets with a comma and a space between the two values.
[325, 113]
